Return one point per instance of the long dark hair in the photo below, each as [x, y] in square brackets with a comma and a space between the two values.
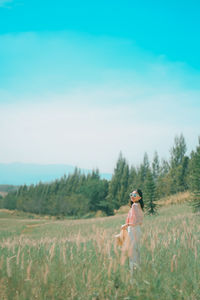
[140, 201]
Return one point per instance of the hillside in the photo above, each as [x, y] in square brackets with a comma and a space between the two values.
[78, 259]
[5, 189]
[179, 198]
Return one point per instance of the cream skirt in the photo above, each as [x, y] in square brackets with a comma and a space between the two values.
[134, 233]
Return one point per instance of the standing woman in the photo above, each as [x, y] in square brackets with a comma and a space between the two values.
[134, 221]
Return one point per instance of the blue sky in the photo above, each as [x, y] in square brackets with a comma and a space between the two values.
[81, 81]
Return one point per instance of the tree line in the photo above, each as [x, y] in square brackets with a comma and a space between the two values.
[79, 194]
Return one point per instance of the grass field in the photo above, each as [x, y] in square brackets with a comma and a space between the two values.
[78, 259]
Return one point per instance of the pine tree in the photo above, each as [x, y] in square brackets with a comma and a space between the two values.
[164, 168]
[163, 182]
[194, 178]
[178, 165]
[178, 151]
[150, 194]
[155, 167]
[118, 187]
[142, 171]
[132, 180]
[1, 202]
[123, 191]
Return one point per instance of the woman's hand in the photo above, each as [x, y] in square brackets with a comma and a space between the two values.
[124, 226]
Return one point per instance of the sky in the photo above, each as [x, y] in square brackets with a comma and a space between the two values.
[81, 81]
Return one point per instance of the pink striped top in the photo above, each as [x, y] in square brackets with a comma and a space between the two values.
[135, 215]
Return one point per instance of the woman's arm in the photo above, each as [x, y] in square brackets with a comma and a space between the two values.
[126, 224]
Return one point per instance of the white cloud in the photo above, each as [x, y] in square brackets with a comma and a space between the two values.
[92, 135]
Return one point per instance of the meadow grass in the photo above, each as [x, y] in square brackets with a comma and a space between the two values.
[78, 259]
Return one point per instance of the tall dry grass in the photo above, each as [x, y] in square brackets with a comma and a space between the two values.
[178, 198]
[80, 260]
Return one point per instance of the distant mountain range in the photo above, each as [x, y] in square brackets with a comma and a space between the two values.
[22, 173]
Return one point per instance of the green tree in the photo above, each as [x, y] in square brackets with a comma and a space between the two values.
[194, 178]
[150, 194]
[76, 205]
[117, 192]
[94, 190]
[178, 165]
[132, 181]
[155, 167]
[10, 200]
[163, 180]
[142, 171]
[1, 202]
[177, 151]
